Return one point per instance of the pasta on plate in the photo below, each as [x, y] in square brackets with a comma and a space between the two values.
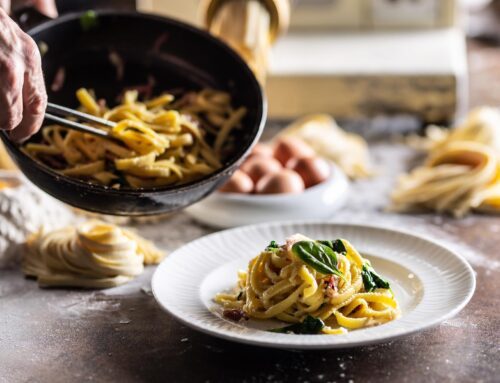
[317, 286]
[159, 142]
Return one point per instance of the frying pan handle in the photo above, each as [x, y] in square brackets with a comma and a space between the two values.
[28, 17]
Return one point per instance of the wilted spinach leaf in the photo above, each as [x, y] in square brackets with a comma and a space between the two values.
[310, 325]
[273, 246]
[371, 280]
[336, 245]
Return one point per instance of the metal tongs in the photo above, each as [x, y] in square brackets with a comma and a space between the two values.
[59, 114]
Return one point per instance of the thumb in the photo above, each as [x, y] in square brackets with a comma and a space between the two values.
[47, 7]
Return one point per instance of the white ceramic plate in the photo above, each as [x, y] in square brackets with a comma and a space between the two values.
[430, 282]
[319, 202]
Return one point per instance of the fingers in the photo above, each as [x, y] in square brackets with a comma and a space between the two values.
[34, 97]
[5, 5]
[11, 74]
[11, 101]
[23, 98]
[34, 111]
[47, 7]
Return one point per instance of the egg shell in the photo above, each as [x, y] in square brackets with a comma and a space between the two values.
[263, 150]
[286, 181]
[257, 167]
[291, 147]
[239, 182]
[313, 170]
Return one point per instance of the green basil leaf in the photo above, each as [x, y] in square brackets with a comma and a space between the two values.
[317, 255]
[371, 280]
[310, 326]
[326, 242]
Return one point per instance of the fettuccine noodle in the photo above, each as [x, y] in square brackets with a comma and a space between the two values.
[6, 162]
[482, 125]
[455, 179]
[160, 142]
[93, 255]
[277, 284]
[462, 172]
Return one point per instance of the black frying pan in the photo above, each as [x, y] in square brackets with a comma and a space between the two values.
[188, 59]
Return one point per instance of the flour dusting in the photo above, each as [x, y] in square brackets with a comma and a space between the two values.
[25, 210]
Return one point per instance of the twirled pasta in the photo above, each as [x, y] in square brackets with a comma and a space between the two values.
[93, 255]
[278, 284]
[462, 172]
[162, 141]
[458, 177]
[482, 125]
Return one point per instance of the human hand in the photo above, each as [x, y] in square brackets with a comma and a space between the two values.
[47, 7]
[5, 5]
[23, 98]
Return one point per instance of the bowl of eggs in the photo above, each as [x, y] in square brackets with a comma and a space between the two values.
[284, 180]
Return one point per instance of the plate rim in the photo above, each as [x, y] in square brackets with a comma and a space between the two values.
[362, 342]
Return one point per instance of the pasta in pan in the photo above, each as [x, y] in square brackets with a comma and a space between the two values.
[159, 142]
[318, 286]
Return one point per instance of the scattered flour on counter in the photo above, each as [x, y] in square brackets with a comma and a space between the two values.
[137, 285]
[87, 305]
[458, 323]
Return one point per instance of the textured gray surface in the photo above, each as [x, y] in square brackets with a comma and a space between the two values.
[122, 335]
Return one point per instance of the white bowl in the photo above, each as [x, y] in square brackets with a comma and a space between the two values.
[225, 210]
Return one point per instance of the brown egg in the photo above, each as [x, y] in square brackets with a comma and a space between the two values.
[238, 183]
[263, 150]
[256, 167]
[313, 170]
[291, 147]
[285, 181]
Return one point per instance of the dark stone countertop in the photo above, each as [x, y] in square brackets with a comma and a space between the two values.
[122, 335]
